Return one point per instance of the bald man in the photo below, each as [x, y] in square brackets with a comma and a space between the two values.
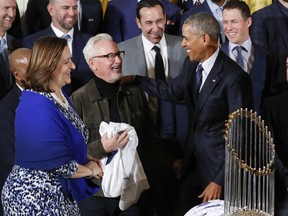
[19, 61]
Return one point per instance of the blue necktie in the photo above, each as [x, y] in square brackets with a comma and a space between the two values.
[239, 57]
[197, 2]
[4, 54]
[66, 36]
[197, 82]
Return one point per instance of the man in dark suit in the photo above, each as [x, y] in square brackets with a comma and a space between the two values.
[19, 60]
[213, 86]
[7, 44]
[270, 30]
[64, 16]
[119, 21]
[187, 4]
[38, 18]
[275, 116]
[213, 7]
[170, 119]
[236, 22]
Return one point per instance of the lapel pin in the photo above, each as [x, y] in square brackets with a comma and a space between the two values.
[213, 80]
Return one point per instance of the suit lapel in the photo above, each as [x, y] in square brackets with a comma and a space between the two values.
[283, 21]
[76, 51]
[209, 85]
[140, 58]
[172, 54]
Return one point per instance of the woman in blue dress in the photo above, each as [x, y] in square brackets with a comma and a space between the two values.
[52, 171]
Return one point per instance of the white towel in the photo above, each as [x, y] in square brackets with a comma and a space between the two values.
[210, 208]
[124, 175]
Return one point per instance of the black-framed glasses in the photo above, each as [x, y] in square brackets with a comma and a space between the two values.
[111, 56]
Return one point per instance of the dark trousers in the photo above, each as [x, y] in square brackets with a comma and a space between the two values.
[188, 193]
[102, 206]
[282, 208]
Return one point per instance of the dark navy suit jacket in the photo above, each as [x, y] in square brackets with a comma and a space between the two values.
[204, 7]
[82, 73]
[275, 113]
[5, 84]
[8, 106]
[258, 75]
[226, 89]
[38, 18]
[269, 29]
[120, 19]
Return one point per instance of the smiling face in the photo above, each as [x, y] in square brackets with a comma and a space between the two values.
[7, 15]
[110, 71]
[152, 23]
[62, 73]
[194, 43]
[64, 14]
[235, 27]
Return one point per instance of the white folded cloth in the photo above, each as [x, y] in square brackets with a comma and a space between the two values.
[124, 176]
[210, 208]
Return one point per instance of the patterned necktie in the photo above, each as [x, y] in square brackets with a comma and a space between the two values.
[159, 65]
[4, 54]
[66, 36]
[197, 2]
[197, 82]
[239, 57]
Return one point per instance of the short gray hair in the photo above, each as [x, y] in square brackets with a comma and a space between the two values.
[89, 49]
[204, 23]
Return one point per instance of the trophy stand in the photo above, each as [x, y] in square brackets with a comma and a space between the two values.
[249, 166]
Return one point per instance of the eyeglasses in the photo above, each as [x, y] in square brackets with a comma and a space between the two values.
[111, 56]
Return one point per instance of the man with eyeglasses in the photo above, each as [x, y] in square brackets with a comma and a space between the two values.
[104, 99]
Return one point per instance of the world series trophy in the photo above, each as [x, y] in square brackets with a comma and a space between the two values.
[249, 166]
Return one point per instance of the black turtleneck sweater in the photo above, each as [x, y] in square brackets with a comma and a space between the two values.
[109, 91]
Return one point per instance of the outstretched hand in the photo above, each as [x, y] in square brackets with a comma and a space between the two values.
[127, 79]
[211, 192]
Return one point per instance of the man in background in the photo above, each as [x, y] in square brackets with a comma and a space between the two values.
[7, 44]
[19, 61]
[252, 58]
[37, 17]
[64, 14]
[119, 20]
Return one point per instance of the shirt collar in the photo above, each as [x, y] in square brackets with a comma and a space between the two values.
[59, 33]
[148, 45]
[4, 37]
[213, 7]
[247, 45]
[208, 63]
